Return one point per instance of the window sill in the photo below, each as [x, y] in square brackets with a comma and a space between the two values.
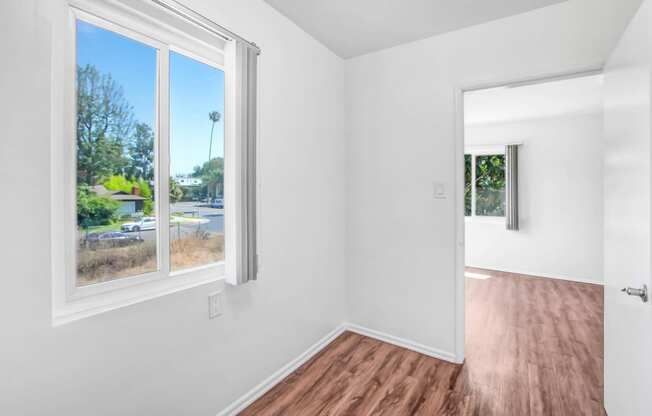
[485, 220]
[85, 307]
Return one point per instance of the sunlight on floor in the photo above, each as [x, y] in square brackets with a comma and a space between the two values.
[473, 275]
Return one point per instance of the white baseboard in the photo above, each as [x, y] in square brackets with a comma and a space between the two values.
[402, 342]
[254, 394]
[546, 275]
[258, 391]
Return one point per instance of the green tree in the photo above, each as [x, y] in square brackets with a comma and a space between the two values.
[119, 183]
[176, 193]
[212, 175]
[141, 153]
[468, 188]
[214, 117]
[490, 185]
[93, 209]
[104, 125]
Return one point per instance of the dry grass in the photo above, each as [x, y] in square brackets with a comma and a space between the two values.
[197, 250]
[101, 265]
[96, 266]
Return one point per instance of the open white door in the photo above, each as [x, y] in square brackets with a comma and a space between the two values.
[628, 224]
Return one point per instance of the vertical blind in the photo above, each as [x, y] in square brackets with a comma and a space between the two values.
[511, 194]
[241, 255]
[246, 60]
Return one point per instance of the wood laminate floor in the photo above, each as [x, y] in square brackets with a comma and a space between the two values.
[534, 347]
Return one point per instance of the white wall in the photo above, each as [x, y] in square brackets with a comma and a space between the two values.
[560, 199]
[627, 219]
[164, 357]
[401, 123]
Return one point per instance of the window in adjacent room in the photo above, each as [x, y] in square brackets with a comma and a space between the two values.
[468, 184]
[484, 184]
[490, 185]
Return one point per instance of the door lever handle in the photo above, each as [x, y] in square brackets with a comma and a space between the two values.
[641, 293]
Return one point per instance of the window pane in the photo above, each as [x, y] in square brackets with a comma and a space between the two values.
[490, 185]
[468, 189]
[116, 104]
[196, 163]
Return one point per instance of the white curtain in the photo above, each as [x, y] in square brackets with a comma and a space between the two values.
[511, 203]
[242, 258]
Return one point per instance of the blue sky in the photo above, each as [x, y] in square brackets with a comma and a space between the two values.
[195, 90]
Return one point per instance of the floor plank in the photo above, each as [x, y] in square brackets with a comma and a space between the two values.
[534, 347]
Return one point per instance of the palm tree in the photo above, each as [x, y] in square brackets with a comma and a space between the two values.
[213, 116]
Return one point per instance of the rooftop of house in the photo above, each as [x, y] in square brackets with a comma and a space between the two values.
[101, 190]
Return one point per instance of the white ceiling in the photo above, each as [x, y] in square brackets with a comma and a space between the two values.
[567, 96]
[355, 27]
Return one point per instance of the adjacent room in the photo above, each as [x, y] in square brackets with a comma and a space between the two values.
[353, 207]
[533, 168]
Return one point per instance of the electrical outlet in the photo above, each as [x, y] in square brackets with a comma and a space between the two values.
[214, 305]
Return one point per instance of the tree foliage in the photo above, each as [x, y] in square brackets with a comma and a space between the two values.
[109, 139]
[490, 185]
[116, 150]
[468, 188]
[104, 123]
[112, 147]
[176, 192]
[93, 209]
[141, 153]
[212, 175]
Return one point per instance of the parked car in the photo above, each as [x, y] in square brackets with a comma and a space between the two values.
[217, 203]
[112, 239]
[146, 223]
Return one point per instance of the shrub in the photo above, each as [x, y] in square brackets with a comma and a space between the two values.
[93, 209]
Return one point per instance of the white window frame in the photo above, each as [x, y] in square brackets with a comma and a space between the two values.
[475, 151]
[69, 301]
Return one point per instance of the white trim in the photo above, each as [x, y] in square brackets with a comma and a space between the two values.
[458, 94]
[139, 16]
[485, 149]
[257, 392]
[231, 205]
[187, 53]
[162, 152]
[254, 394]
[103, 302]
[460, 227]
[403, 343]
[484, 219]
[541, 275]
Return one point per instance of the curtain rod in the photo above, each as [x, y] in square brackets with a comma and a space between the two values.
[180, 10]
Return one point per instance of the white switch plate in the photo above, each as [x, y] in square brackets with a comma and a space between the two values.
[214, 305]
[439, 190]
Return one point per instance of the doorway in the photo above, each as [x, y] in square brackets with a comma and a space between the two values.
[532, 196]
